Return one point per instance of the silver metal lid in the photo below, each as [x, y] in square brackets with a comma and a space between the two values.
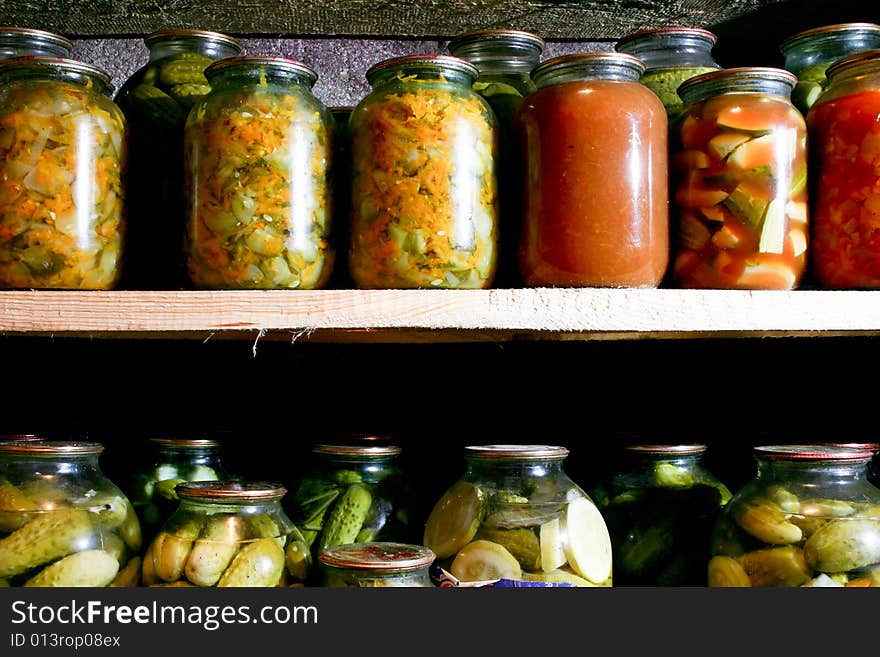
[276, 64]
[377, 557]
[516, 452]
[231, 491]
[811, 453]
[497, 45]
[852, 63]
[667, 449]
[55, 63]
[51, 448]
[645, 35]
[193, 35]
[40, 35]
[743, 74]
[575, 61]
[827, 30]
[445, 62]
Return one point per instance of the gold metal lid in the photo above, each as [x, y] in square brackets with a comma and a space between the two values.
[377, 557]
[195, 35]
[667, 449]
[447, 62]
[848, 64]
[871, 447]
[277, 64]
[745, 73]
[697, 32]
[185, 443]
[356, 450]
[811, 453]
[516, 452]
[42, 35]
[51, 448]
[230, 491]
[826, 30]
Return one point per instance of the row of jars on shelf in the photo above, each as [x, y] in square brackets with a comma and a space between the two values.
[810, 517]
[239, 152]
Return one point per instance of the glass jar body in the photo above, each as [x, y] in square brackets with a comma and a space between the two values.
[63, 147]
[740, 193]
[63, 523]
[572, 134]
[23, 42]
[376, 565]
[795, 524]
[424, 191]
[257, 180]
[521, 520]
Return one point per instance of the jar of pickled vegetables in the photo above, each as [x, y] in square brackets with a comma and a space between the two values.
[671, 55]
[151, 488]
[353, 493]
[661, 509]
[26, 42]
[62, 522]
[809, 518]
[156, 101]
[424, 199]
[739, 159]
[516, 516]
[809, 54]
[62, 148]
[257, 178]
[376, 565]
[845, 139]
[590, 121]
[228, 534]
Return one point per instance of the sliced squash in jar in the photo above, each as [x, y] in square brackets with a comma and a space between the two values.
[587, 541]
[454, 520]
[484, 560]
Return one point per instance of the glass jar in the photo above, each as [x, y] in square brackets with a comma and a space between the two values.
[62, 522]
[809, 54]
[151, 488]
[62, 148]
[589, 121]
[739, 159]
[809, 518]
[257, 178]
[874, 465]
[671, 55]
[228, 534]
[353, 494]
[376, 565]
[515, 515]
[424, 198]
[27, 42]
[845, 140]
[661, 510]
[156, 101]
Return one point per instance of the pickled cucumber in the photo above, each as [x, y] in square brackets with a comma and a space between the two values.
[177, 71]
[171, 551]
[484, 560]
[727, 571]
[47, 537]
[766, 522]
[213, 551]
[347, 517]
[86, 568]
[131, 529]
[260, 563]
[522, 543]
[844, 545]
[779, 566]
[13, 507]
[189, 94]
[148, 571]
[130, 575]
[454, 520]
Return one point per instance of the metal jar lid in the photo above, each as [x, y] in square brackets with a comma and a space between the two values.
[366, 450]
[646, 35]
[21, 438]
[516, 452]
[50, 38]
[274, 64]
[51, 448]
[744, 74]
[427, 62]
[565, 64]
[204, 36]
[795, 40]
[870, 59]
[667, 450]
[54, 64]
[811, 453]
[230, 491]
[185, 443]
[377, 557]
[497, 45]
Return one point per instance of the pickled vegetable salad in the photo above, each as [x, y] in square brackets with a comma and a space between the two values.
[258, 192]
[425, 196]
[61, 213]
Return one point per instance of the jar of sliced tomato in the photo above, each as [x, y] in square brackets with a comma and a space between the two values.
[424, 192]
[595, 156]
[62, 154]
[257, 152]
[845, 135]
[740, 182]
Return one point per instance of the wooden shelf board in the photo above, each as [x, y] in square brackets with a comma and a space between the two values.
[440, 315]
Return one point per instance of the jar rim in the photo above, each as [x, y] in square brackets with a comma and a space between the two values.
[838, 28]
[575, 59]
[195, 35]
[449, 62]
[852, 62]
[185, 443]
[232, 491]
[356, 450]
[516, 452]
[667, 449]
[699, 32]
[870, 447]
[810, 453]
[514, 37]
[21, 438]
[43, 35]
[377, 557]
[51, 448]
[757, 73]
[63, 63]
[279, 64]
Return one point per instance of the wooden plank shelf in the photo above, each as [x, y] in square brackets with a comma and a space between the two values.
[440, 315]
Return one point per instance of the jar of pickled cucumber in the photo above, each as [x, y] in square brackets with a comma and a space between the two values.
[671, 55]
[62, 148]
[353, 493]
[809, 518]
[809, 54]
[62, 521]
[156, 101]
[257, 178]
[424, 192]
[376, 565]
[228, 534]
[151, 487]
[661, 509]
[516, 516]
[26, 42]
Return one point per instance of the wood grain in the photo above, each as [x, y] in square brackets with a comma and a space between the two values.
[584, 19]
[451, 315]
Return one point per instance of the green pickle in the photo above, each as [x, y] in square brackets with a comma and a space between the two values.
[665, 82]
[809, 518]
[661, 510]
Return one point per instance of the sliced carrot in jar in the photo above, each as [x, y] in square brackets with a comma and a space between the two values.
[687, 160]
[798, 239]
